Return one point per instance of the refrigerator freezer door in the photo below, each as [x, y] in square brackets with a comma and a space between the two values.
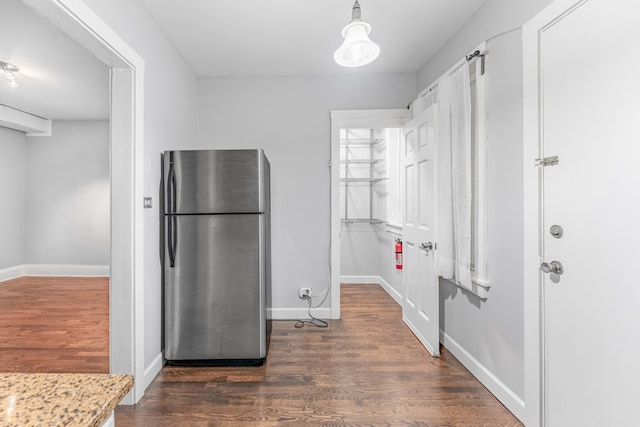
[215, 293]
[214, 181]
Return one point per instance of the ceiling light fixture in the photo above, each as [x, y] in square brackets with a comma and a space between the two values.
[9, 69]
[357, 49]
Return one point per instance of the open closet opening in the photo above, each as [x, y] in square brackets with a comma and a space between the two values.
[370, 206]
[366, 199]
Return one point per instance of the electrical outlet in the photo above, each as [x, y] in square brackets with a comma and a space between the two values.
[304, 292]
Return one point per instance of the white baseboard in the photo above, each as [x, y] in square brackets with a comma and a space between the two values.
[397, 296]
[151, 371]
[503, 393]
[434, 351]
[110, 421]
[66, 270]
[360, 279]
[298, 313]
[53, 270]
[11, 273]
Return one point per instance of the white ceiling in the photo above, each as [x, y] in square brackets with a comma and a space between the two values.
[58, 79]
[298, 37]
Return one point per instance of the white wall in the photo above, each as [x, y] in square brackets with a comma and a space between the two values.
[359, 250]
[493, 17]
[392, 277]
[67, 195]
[12, 185]
[491, 331]
[289, 118]
[169, 123]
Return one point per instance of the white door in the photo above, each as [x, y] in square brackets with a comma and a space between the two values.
[420, 303]
[590, 206]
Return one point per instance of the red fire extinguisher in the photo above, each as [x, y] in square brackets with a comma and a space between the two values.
[398, 254]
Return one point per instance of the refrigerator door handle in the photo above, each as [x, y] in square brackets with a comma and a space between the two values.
[173, 238]
[171, 207]
[171, 190]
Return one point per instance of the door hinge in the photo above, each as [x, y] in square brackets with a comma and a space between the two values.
[547, 161]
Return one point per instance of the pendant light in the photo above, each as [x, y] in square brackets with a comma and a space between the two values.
[357, 49]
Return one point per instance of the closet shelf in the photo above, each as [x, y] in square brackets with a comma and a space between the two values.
[362, 141]
[362, 161]
[362, 221]
[369, 180]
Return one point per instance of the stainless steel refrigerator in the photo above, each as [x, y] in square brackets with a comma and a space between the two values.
[217, 274]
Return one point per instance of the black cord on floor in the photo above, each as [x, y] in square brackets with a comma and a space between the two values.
[313, 321]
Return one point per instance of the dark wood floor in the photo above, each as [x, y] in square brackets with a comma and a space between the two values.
[365, 369]
[54, 325]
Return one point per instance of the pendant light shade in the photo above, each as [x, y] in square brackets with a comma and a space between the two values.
[357, 49]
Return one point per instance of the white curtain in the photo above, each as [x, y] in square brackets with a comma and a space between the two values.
[454, 176]
[444, 230]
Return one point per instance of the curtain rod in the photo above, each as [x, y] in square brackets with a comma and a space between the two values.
[478, 52]
[475, 54]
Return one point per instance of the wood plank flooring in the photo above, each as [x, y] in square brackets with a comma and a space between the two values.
[365, 369]
[54, 325]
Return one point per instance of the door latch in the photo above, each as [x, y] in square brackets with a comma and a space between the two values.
[547, 161]
[427, 246]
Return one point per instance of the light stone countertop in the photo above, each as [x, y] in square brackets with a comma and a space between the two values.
[60, 399]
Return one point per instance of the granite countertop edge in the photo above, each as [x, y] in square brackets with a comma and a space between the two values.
[60, 399]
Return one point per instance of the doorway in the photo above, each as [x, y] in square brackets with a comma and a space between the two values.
[127, 89]
[369, 199]
[362, 158]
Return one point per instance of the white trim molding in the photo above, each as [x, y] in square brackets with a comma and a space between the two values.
[153, 369]
[110, 421]
[503, 393]
[81, 24]
[53, 270]
[64, 270]
[478, 288]
[11, 273]
[397, 296]
[25, 122]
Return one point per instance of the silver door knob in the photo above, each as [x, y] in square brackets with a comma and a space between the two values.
[552, 267]
[427, 246]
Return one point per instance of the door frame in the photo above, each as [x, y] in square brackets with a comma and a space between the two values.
[126, 299]
[532, 188]
[384, 118]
